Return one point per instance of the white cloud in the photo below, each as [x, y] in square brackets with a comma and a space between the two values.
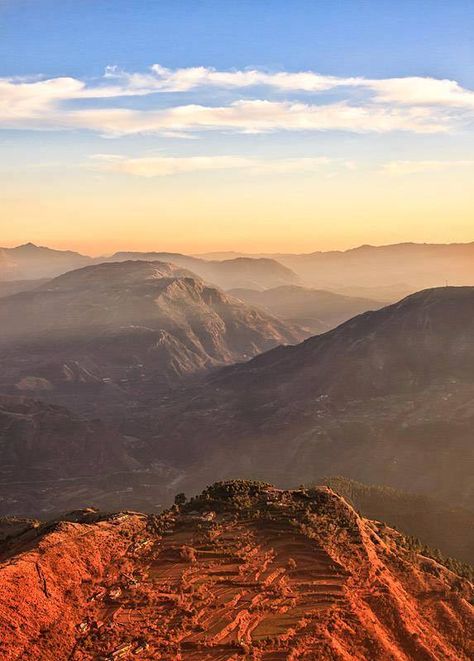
[255, 116]
[417, 104]
[159, 166]
[411, 90]
[417, 167]
[29, 99]
[161, 79]
[422, 91]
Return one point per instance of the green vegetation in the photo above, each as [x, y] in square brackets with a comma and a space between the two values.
[228, 495]
[460, 568]
[180, 499]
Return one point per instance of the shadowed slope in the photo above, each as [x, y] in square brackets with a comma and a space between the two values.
[375, 399]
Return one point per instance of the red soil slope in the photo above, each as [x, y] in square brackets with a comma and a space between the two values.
[245, 571]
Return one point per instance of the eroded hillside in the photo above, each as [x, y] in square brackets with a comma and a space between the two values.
[243, 571]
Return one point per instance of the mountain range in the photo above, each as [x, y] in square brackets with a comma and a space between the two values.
[380, 272]
[30, 262]
[127, 382]
[141, 345]
[383, 273]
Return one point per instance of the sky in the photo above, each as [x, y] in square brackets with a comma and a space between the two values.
[256, 126]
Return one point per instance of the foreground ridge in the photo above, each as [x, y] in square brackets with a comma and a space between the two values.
[244, 570]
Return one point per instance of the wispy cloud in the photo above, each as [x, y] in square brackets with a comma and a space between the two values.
[418, 167]
[159, 166]
[243, 116]
[406, 90]
[162, 79]
[418, 104]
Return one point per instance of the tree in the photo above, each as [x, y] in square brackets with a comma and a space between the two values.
[180, 499]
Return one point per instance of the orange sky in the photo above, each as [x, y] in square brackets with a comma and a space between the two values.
[270, 213]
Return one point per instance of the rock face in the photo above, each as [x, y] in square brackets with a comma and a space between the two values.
[386, 397]
[314, 309]
[245, 570]
[104, 333]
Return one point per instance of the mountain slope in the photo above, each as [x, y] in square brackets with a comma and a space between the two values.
[116, 328]
[243, 570]
[315, 309]
[437, 524]
[53, 460]
[42, 446]
[375, 399]
[10, 287]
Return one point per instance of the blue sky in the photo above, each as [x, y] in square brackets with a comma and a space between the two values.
[252, 111]
[377, 38]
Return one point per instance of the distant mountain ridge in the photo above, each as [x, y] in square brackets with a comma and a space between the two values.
[29, 262]
[375, 270]
[384, 273]
[316, 309]
[259, 273]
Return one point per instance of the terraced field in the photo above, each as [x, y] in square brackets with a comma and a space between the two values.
[243, 571]
[217, 590]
